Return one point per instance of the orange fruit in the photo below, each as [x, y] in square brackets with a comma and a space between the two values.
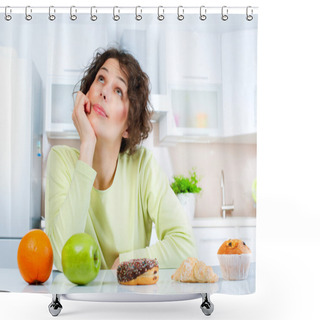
[35, 257]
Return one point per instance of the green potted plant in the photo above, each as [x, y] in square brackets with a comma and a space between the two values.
[186, 188]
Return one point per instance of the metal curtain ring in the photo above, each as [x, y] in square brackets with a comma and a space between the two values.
[116, 17]
[28, 15]
[180, 16]
[249, 17]
[7, 16]
[224, 13]
[138, 16]
[203, 12]
[160, 16]
[93, 17]
[73, 17]
[52, 16]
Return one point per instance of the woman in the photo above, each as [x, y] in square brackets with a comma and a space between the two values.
[110, 188]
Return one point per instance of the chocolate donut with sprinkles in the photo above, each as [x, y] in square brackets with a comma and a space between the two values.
[138, 272]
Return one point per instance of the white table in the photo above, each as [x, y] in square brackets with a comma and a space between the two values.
[106, 288]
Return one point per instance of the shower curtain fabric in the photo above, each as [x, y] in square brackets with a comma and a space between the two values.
[203, 96]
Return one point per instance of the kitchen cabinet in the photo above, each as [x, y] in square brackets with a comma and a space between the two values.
[194, 57]
[214, 98]
[59, 106]
[76, 46]
[209, 239]
[194, 114]
[193, 89]
[239, 84]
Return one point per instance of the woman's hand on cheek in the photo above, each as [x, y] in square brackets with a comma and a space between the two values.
[87, 135]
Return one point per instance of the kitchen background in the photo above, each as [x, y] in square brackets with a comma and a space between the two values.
[203, 76]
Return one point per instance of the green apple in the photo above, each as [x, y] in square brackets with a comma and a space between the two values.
[81, 259]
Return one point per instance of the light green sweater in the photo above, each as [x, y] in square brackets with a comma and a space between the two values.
[119, 218]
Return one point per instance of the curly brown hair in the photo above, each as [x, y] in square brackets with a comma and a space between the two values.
[140, 111]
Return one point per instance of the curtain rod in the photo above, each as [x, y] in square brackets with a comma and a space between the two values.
[161, 11]
[124, 9]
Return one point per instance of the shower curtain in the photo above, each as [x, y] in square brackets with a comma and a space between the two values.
[202, 69]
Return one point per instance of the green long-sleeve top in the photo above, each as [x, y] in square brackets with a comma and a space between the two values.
[119, 218]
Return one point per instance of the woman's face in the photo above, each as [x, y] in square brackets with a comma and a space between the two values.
[109, 103]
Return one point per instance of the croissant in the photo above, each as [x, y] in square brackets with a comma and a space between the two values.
[193, 270]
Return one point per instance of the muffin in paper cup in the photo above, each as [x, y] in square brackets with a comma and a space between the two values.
[234, 258]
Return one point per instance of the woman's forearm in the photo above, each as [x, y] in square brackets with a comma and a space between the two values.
[67, 202]
[87, 152]
[170, 251]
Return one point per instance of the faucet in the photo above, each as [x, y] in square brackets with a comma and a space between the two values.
[224, 206]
